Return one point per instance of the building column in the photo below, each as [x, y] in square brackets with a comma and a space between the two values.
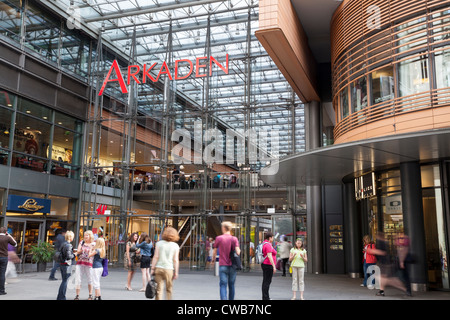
[413, 222]
[314, 193]
[352, 238]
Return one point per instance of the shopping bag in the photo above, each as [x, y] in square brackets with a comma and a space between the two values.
[278, 265]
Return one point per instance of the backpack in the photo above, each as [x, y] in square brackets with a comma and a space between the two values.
[216, 179]
[236, 262]
[260, 255]
[233, 179]
[59, 255]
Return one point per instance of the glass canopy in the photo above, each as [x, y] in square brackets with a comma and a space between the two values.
[254, 90]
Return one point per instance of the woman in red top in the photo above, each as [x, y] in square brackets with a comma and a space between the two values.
[268, 265]
[369, 260]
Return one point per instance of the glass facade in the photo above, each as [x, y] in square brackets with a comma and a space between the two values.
[403, 63]
[434, 223]
[39, 138]
[384, 212]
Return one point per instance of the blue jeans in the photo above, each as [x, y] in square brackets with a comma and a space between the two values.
[227, 277]
[3, 265]
[63, 287]
[56, 265]
[366, 265]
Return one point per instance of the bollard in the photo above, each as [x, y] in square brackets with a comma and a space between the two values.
[216, 266]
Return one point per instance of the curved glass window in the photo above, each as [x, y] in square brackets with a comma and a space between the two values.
[358, 91]
[382, 84]
[442, 60]
[413, 76]
[344, 103]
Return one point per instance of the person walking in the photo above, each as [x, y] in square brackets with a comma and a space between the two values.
[98, 252]
[13, 258]
[59, 240]
[268, 265]
[403, 259]
[284, 250]
[5, 239]
[131, 258]
[165, 264]
[67, 255]
[146, 246]
[386, 264]
[297, 259]
[84, 263]
[227, 274]
[368, 260]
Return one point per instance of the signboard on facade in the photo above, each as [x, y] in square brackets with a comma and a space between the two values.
[365, 186]
[21, 204]
[394, 204]
[198, 68]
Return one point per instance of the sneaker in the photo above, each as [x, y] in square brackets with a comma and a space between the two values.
[362, 285]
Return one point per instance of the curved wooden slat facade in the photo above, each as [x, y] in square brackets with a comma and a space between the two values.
[405, 30]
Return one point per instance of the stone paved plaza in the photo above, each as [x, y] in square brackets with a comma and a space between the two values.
[203, 285]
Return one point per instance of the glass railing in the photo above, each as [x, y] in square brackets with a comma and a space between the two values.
[4, 153]
[175, 181]
[39, 164]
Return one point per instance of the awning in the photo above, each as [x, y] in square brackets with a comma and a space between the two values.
[329, 165]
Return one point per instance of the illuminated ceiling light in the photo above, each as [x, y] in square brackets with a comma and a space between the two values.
[28, 111]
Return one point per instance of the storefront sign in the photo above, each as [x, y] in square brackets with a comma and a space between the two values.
[365, 186]
[394, 204]
[197, 67]
[21, 204]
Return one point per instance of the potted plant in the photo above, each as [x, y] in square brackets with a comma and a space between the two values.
[42, 253]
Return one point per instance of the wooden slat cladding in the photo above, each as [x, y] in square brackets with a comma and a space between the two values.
[407, 29]
[282, 35]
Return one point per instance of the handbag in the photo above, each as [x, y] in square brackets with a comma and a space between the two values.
[290, 265]
[150, 289]
[105, 267]
[278, 264]
[236, 262]
[137, 258]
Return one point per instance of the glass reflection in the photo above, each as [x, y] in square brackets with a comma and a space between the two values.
[358, 91]
[382, 84]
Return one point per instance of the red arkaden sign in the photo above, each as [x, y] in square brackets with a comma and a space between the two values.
[195, 67]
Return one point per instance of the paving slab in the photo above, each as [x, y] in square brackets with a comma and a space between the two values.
[204, 285]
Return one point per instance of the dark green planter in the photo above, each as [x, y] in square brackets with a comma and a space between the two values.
[41, 266]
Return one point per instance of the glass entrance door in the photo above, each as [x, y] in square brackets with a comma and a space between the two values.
[26, 233]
